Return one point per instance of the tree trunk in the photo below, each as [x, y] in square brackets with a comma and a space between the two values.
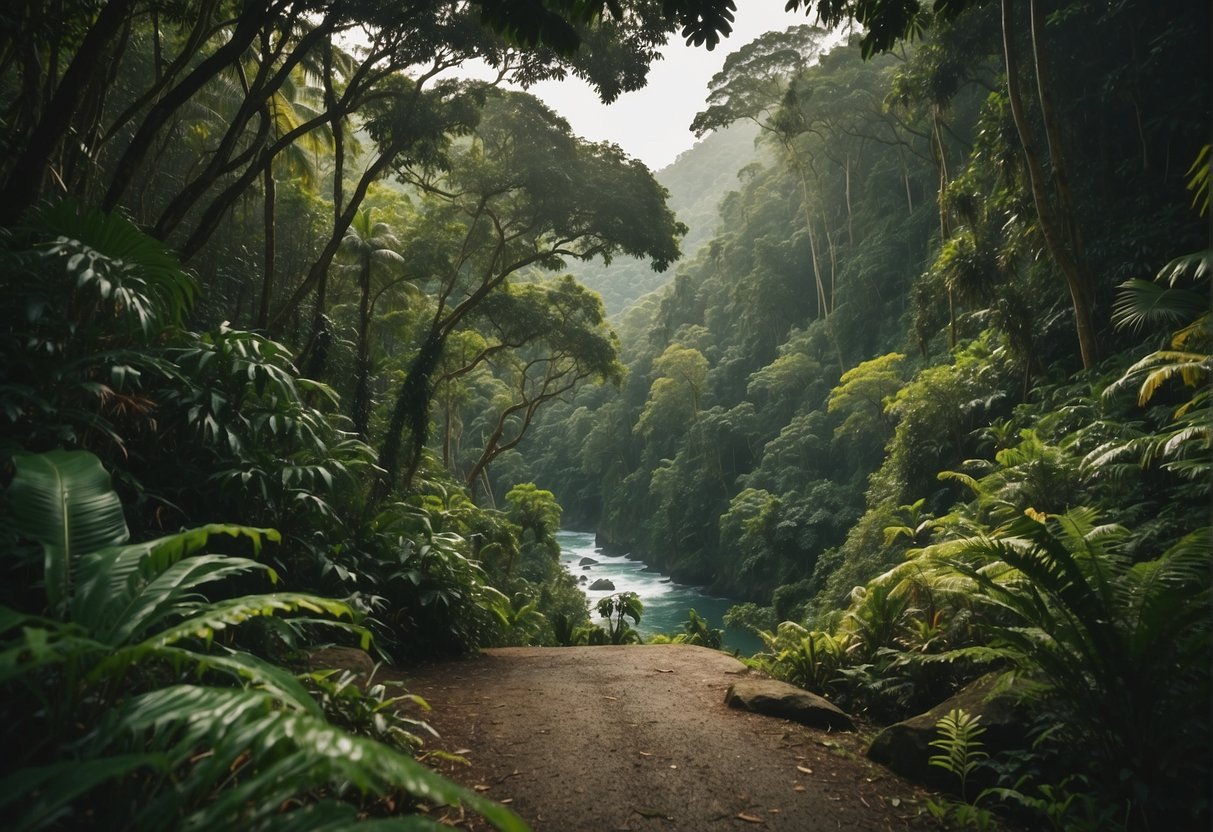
[411, 411]
[1050, 227]
[246, 29]
[362, 370]
[317, 351]
[944, 227]
[340, 226]
[25, 179]
[267, 280]
[1057, 154]
[258, 95]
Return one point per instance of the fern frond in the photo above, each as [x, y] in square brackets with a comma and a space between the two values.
[285, 753]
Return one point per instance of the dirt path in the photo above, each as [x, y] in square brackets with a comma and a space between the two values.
[638, 738]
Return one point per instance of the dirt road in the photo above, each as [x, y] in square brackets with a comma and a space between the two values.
[639, 738]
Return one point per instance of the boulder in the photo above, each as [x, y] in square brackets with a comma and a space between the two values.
[779, 699]
[603, 583]
[587, 562]
[341, 658]
[582, 579]
[906, 747]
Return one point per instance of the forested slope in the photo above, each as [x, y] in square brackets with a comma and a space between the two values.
[697, 181]
[290, 354]
[926, 360]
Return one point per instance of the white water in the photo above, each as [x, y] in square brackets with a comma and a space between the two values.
[666, 603]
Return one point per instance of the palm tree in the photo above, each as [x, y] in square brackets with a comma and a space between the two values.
[367, 245]
[295, 102]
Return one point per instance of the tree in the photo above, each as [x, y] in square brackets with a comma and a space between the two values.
[551, 337]
[675, 393]
[862, 396]
[522, 194]
[1055, 211]
[367, 245]
[754, 85]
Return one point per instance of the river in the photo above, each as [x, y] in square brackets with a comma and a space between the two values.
[665, 602]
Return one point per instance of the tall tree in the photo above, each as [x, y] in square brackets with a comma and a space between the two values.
[549, 338]
[367, 247]
[525, 193]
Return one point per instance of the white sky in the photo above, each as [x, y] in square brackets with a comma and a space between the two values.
[653, 124]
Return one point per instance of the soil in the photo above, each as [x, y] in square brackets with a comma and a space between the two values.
[639, 738]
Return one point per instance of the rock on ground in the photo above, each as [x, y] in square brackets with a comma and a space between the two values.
[906, 746]
[779, 699]
[342, 658]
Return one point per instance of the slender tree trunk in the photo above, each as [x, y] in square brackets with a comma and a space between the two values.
[246, 29]
[316, 350]
[267, 280]
[447, 406]
[822, 309]
[821, 289]
[850, 213]
[164, 77]
[27, 172]
[340, 226]
[362, 371]
[1057, 154]
[258, 94]
[1050, 227]
[411, 411]
[945, 230]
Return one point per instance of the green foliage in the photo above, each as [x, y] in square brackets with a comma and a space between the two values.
[750, 617]
[431, 595]
[861, 397]
[810, 659]
[83, 296]
[1099, 632]
[105, 730]
[616, 609]
[960, 746]
[355, 705]
[697, 631]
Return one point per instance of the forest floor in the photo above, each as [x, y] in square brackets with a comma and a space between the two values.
[639, 738]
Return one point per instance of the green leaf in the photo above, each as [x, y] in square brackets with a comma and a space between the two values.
[219, 616]
[45, 790]
[125, 590]
[285, 753]
[65, 501]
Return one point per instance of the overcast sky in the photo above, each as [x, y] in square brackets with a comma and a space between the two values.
[653, 124]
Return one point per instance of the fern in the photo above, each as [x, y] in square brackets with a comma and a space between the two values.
[958, 740]
[118, 741]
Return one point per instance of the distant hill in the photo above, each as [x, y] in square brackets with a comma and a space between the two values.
[697, 180]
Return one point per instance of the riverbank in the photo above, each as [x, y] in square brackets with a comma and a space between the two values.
[666, 602]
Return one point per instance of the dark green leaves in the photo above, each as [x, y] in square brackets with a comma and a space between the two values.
[64, 500]
[128, 271]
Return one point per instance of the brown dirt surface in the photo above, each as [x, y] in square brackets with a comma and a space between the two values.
[639, 738]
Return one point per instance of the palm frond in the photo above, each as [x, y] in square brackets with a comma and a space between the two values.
[124, 590]
[220, 615]
[246, 726]
[1142, 303]
[108, 254]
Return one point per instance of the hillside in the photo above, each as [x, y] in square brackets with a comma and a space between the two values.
[697, 181]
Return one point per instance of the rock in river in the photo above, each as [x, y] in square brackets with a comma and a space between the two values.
[603, 583]
[587, 562]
